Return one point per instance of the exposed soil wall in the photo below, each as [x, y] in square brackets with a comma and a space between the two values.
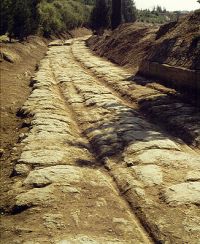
[127, 45]
[170, 53]
[18, 62]
[178, 43]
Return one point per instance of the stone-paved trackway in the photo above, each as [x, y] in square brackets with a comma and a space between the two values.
[93, 169]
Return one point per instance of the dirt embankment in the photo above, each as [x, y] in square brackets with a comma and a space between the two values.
[178, 43]
[18, 62]
[170, 53]
[127, 45]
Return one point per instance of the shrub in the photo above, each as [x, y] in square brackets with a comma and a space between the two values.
[23, 17]
[50, 19]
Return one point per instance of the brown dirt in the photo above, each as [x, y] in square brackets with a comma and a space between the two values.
[127, 45]
[178, 45]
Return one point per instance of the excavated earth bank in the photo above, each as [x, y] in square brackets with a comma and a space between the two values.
[93, 168]
[170, 53]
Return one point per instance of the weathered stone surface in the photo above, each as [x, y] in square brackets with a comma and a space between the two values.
[83, 239]
[155, 99]
[54, 174]
[22, 169]
[152, 144]
[54, 156]
[191, 225]
[142, 145]
[150, 175]
[193, 175]
[183, 193]
[161, 157]
[55, 43]
[34, 197]
[87, 196]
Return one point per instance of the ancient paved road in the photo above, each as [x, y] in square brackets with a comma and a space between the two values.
[93, 169]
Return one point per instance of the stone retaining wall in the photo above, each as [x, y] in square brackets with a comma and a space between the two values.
[178, 76]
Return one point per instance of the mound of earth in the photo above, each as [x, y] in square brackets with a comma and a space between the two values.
[126, 45]
[178, 43]
[170, 53]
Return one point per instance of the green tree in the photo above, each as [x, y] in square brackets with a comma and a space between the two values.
[116, 17]
[5, 15]
[50, 19]
[99, 19]
[21, 20]
[128, 11]
[35, 14]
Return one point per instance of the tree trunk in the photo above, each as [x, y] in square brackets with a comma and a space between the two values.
[116, 17]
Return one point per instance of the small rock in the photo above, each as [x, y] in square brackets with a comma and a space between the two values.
[14, 149]
[120, 221]
[67, 43]
[18, 184]
[193, 176]
[1, 152]
[34, 197]
[22, 135]
[21, 169]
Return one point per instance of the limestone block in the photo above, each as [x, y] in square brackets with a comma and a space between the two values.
[183, 193]
[150, 175]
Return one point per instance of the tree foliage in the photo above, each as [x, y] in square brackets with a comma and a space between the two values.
[50, 19]
[116, 17]
[157, 15]
[5, 15]
[20, 18]
[111, 13]
[129, 13]
[100, 18]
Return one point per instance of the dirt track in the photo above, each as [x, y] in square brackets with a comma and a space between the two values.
[93, 168]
